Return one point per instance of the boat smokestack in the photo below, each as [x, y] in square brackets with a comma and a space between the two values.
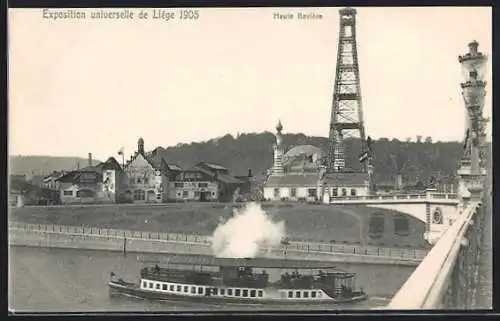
[90, 159]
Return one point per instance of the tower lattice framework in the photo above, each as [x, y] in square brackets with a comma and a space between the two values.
[347, 111]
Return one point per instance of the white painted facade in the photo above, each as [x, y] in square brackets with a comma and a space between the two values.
[278, 193]
[146, 184]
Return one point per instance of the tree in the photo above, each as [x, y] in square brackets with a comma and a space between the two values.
[428, 140]
[419, 139]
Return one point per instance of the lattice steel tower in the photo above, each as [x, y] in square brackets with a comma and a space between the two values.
[347, 112]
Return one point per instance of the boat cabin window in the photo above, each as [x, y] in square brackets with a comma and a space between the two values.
[144, 284]
[171, 287]
[290, 294]
[260, 293]
[164, 287]
[306, 294]
[193, 289]
[230, 292]
[157, 286]
[313, 294]
[186, 288]
[179, 288]
[200, 290]
[252, 293]
[245, 293]
[150, 285]
[222, 291]
[215, 291]
[237, 292]
[297, 294]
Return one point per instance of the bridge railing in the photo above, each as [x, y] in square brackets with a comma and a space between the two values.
[429, 285]
[415, 255]
[440, 196]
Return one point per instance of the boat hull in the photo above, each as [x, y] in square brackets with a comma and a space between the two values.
[133, 290]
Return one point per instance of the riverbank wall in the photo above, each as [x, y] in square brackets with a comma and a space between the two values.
[71, 237]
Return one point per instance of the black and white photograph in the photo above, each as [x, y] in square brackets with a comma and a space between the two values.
[249, 159]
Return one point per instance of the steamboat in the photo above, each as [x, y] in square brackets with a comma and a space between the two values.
[242, 281]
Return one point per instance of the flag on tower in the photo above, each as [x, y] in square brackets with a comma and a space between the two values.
[120, 152]
[363, 157]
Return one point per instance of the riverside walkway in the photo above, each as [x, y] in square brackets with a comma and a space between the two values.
[402, 255]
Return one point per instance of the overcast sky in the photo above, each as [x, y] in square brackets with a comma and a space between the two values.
[79, 86]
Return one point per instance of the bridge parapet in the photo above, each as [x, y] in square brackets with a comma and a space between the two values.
[447, 276]
[397, 198]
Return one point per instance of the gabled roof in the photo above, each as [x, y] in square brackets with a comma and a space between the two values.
[345, 178]
[111, 163]
[215, 167]
[175, 167]
[156, 160]
[293, 180]
[228, 179]
[223, 177]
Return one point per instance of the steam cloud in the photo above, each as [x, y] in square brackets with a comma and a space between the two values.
[243, 235]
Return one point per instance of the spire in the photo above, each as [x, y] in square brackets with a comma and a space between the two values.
[278, 151]
[140, 146]
[279, 127]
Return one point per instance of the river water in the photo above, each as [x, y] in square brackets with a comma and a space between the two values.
[68, 280]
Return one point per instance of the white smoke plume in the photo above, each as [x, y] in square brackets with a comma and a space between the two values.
[246, 232]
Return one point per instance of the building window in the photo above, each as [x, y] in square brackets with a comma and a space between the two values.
[293, 192]
[290, 294]
[200, 290]
[353, 192]
[276, 192]
[164, 287]
[186, 288]
[193, 290]
[85, 193]
[230, 292]
[344, 192]
[245, 293]
[150, 285]
[157, 286]
[185, 193]
[311, 192]
[171, 287]
[196, 194]
[297, 294]
[313, 294]
[139, 195]
[144, 284]
[202, 185]
[335, 192]
[68, 193]
[179, 288]
[237, 292]
[222, 291]
[306, 294]
[252, 293]
[260, 293]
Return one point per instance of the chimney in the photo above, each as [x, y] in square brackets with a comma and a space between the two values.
[90, 159]
[249, 172]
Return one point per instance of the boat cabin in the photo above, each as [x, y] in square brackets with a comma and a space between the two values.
[250, 276]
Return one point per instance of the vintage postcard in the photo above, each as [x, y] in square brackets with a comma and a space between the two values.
[249, 159]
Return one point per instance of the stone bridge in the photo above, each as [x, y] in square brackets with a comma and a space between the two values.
[437, 210]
